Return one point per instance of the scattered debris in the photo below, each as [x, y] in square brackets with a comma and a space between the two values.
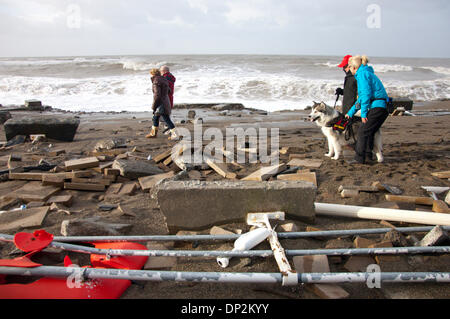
[92, 227]
[434, 238]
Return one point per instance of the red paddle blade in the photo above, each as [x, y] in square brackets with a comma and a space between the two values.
[33, 242]
[23, 262]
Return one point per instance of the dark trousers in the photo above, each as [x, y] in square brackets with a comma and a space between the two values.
[166, 119]
[366, 133]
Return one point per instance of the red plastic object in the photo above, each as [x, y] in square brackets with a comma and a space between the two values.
[23, 261]
[121, 262]
[33, 242]
[53, 288]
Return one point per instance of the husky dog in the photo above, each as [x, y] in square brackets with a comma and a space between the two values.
[322, 114]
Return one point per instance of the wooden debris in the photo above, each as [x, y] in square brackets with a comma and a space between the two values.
[308, 163]
[79, 174]
[221, 169]
[369, 189]
[33, 192]
[82, 163]
[128, 189]
[161, 157]
[443, 175]
[114, 189]
[361, 242]
[439, 206]
[56, 180]
[6, 203]
[307, 177]
[85, 187]
[56, 152]
[66, 200]
[349, 193]
[102, 181]
[411, 199]
[32, 217]
[265, 173]
[26, 176]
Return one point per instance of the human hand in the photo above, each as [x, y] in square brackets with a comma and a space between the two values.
[339, 91]
[364, 120]
[346, 116]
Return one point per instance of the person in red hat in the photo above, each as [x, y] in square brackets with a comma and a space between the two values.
[350, 91]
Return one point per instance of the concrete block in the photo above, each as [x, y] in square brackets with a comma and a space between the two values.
[202, 204]
[58, 128]
[135, 169]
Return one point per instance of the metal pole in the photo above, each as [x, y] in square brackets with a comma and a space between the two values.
[292, 235]
[264, 278]
[249, 253]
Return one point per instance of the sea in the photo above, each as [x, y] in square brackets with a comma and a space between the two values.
[270, 83]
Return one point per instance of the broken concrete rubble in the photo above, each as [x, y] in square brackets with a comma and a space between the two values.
[200, 204]
[57, 128]
[135, 169]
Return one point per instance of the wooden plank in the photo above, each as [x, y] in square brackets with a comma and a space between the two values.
[111, 172]
[34, 192]
[6, 203]
[439, 206]
[113, 152]
[79, 174]
[114, 189]
[128, 189]
[148, 182]
[445, 174]
[410, 199]
[162, 156]
[100, 181]
[53, 179]
[32, 217]
[168, 161]
[66, 200]
[307, 177]
[85, 187]
[309, 163]
[82, 163]
[265, 173]
[221, 169]
[56, 152]
[26, 176]
[369, 189]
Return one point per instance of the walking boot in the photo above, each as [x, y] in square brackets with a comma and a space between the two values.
[153, 133]
[173, 135]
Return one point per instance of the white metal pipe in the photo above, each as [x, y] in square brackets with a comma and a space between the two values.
[408, 216]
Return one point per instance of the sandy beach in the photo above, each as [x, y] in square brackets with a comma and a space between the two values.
[414, 148]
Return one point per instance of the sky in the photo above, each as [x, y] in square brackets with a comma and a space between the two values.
[389, 28]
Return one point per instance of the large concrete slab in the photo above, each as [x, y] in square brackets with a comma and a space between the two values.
[58, 128]
[196, 205]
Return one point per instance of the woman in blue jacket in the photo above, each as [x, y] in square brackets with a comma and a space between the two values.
[372, 99]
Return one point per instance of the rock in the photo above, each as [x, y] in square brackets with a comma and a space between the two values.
[58, 128]
[435, 237]
[191, 114]
[289, 227]
[92, 227]
[135, 169]
[396, 238]
[358, 263]
[4, 116]
[219, 231]
[311, 264]
[34, 105]
[201, 204]
[228, 106]
[18, 139]
[109, 144]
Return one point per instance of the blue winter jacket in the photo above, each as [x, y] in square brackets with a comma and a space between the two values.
[370, 90]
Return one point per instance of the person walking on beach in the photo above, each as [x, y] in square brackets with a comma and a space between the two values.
[350, 91]
[372, 99]
[161, 105]
[165, 72]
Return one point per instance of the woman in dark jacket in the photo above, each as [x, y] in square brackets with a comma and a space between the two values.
[161, 105]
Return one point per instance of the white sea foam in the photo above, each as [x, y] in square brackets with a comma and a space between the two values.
[269, 83]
